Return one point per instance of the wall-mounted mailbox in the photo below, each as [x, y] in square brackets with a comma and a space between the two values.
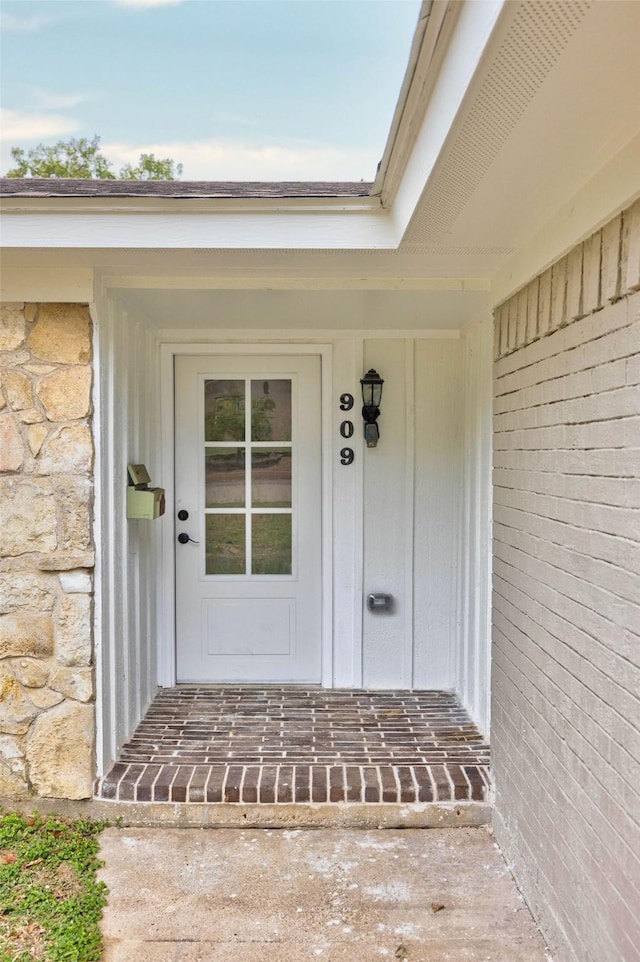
[143, 502]
[379, 602]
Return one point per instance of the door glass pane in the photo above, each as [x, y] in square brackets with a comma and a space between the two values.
[224, 410]
[271, 477]
[224, 477]
[271, 544]
[271, 410]
[225, 544]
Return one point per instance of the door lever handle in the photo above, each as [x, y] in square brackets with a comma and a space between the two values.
[185, 539]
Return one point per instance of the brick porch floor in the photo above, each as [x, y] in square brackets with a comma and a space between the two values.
[305, 745]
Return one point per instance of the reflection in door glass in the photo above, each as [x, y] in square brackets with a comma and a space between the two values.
[224, 478]
[224, 410]
[271, 410]
[225, 544]
[271, 544]
[271, 477]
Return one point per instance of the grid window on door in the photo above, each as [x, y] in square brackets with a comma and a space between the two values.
[248, 476]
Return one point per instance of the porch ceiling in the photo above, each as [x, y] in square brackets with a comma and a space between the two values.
[303, 309]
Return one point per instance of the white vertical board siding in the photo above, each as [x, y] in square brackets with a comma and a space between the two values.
[347, 519]
[566, 619]
[438, 478]
[386, 657]
[412, 504]
[473, 651]
[126, 629]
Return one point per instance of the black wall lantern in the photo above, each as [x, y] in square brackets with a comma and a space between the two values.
[371, 395]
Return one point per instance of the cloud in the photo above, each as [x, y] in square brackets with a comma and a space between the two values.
[24, 125]
[53, 101]
[227, 160]
[23, 24]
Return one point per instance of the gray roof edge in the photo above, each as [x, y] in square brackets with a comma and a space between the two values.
[176, 189]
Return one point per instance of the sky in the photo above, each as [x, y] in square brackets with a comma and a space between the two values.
[232, 89]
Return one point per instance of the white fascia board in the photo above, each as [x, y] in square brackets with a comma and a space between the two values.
[475, 24]
[336, 225]
[615, 187]
[60, 285]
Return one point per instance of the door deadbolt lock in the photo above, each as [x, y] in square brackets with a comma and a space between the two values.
[184, 538]
[183, 515]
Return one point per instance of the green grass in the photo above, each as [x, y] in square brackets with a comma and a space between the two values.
[50, 901]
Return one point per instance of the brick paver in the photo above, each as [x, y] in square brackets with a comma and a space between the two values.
[282, 745]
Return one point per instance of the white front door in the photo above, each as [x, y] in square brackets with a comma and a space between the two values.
[248, 491]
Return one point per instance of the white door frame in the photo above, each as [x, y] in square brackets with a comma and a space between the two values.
[166, 612]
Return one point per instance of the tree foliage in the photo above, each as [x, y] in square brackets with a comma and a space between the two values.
[81, 158]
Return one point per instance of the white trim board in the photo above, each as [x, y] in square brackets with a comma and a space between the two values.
[198, 335]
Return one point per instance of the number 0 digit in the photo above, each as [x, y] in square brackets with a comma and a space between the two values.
[346, 429]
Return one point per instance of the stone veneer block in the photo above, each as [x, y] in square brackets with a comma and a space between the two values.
[12, 772]
[44, 698]
[27, 517]
[69, 450]
[66, 394]
[11, 445]
[36, 434]
[74, 498]
[27, 591]
[12, 326]
[591, 288]
[65, 560]
[76, 683]
[76, 582]
[17, 387]
[62, 334]
[610, 268]
[17, 711]
[73, 630]
[59, 751]
[30, 672]
[25, 634]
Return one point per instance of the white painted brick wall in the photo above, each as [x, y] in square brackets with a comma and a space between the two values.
[566, 612]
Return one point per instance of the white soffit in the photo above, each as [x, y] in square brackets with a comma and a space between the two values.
[539, 121]
[364, 311]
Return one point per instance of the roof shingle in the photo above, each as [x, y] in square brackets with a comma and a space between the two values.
[177, 189]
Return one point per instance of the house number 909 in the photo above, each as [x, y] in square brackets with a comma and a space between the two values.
[346, 429]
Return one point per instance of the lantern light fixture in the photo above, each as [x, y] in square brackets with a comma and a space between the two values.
[371, 385]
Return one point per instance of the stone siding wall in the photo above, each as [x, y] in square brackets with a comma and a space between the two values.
[566, 613]
[47, 724]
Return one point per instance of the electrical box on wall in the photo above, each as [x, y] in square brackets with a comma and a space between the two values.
[143, 503]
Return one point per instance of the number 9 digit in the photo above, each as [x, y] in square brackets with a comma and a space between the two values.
[346, 456]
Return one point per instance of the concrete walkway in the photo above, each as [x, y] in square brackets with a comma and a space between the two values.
[194, 895]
